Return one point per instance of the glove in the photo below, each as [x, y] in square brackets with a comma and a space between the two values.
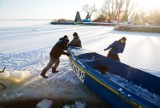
[106, 49]
[68, 54]
[65, 53]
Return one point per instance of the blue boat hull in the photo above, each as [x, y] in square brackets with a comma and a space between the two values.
[107, 89]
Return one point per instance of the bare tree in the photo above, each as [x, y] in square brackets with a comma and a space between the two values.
[136, 18]
[125, 9]
[100, 18]
[89, 10]
[128, 9]
[143, 17]
[140, 17]
[154, 17]
[117, 9]
[120, 5]
[112, 8]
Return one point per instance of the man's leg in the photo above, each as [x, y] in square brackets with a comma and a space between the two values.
[49, 65]
[57, 61]
[43, 73]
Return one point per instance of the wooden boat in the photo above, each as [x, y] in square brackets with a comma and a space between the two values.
[142, 89]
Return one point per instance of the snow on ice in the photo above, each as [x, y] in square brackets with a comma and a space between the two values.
[24, 51]
[45, 103]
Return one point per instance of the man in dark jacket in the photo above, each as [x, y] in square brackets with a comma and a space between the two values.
[55, 53]
[76, 41]
[115, 48]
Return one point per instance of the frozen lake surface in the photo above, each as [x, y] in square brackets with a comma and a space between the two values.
[24, 51]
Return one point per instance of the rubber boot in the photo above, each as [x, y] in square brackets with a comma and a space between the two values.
[43, 73]
[54, 70]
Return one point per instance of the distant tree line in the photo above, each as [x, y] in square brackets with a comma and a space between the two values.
[123, 11]
[151, 18]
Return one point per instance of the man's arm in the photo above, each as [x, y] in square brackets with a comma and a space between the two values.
[65, 53]
[110, 46]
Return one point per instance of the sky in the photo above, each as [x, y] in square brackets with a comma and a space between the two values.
[43, 9]
[54, 9]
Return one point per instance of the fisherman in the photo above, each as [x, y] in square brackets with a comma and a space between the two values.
[55, 53]
[115, 48]
[76, 41]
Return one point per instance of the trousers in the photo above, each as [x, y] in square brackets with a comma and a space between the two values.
[52, 62]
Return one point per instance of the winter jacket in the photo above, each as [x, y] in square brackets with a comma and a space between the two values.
[75, 42]
[58, 48]
[116, 47]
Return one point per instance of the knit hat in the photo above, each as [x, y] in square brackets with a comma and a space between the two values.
[65, 36]
[124, 38]
[75, 34]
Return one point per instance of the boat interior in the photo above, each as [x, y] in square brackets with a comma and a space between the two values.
[134, 75]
